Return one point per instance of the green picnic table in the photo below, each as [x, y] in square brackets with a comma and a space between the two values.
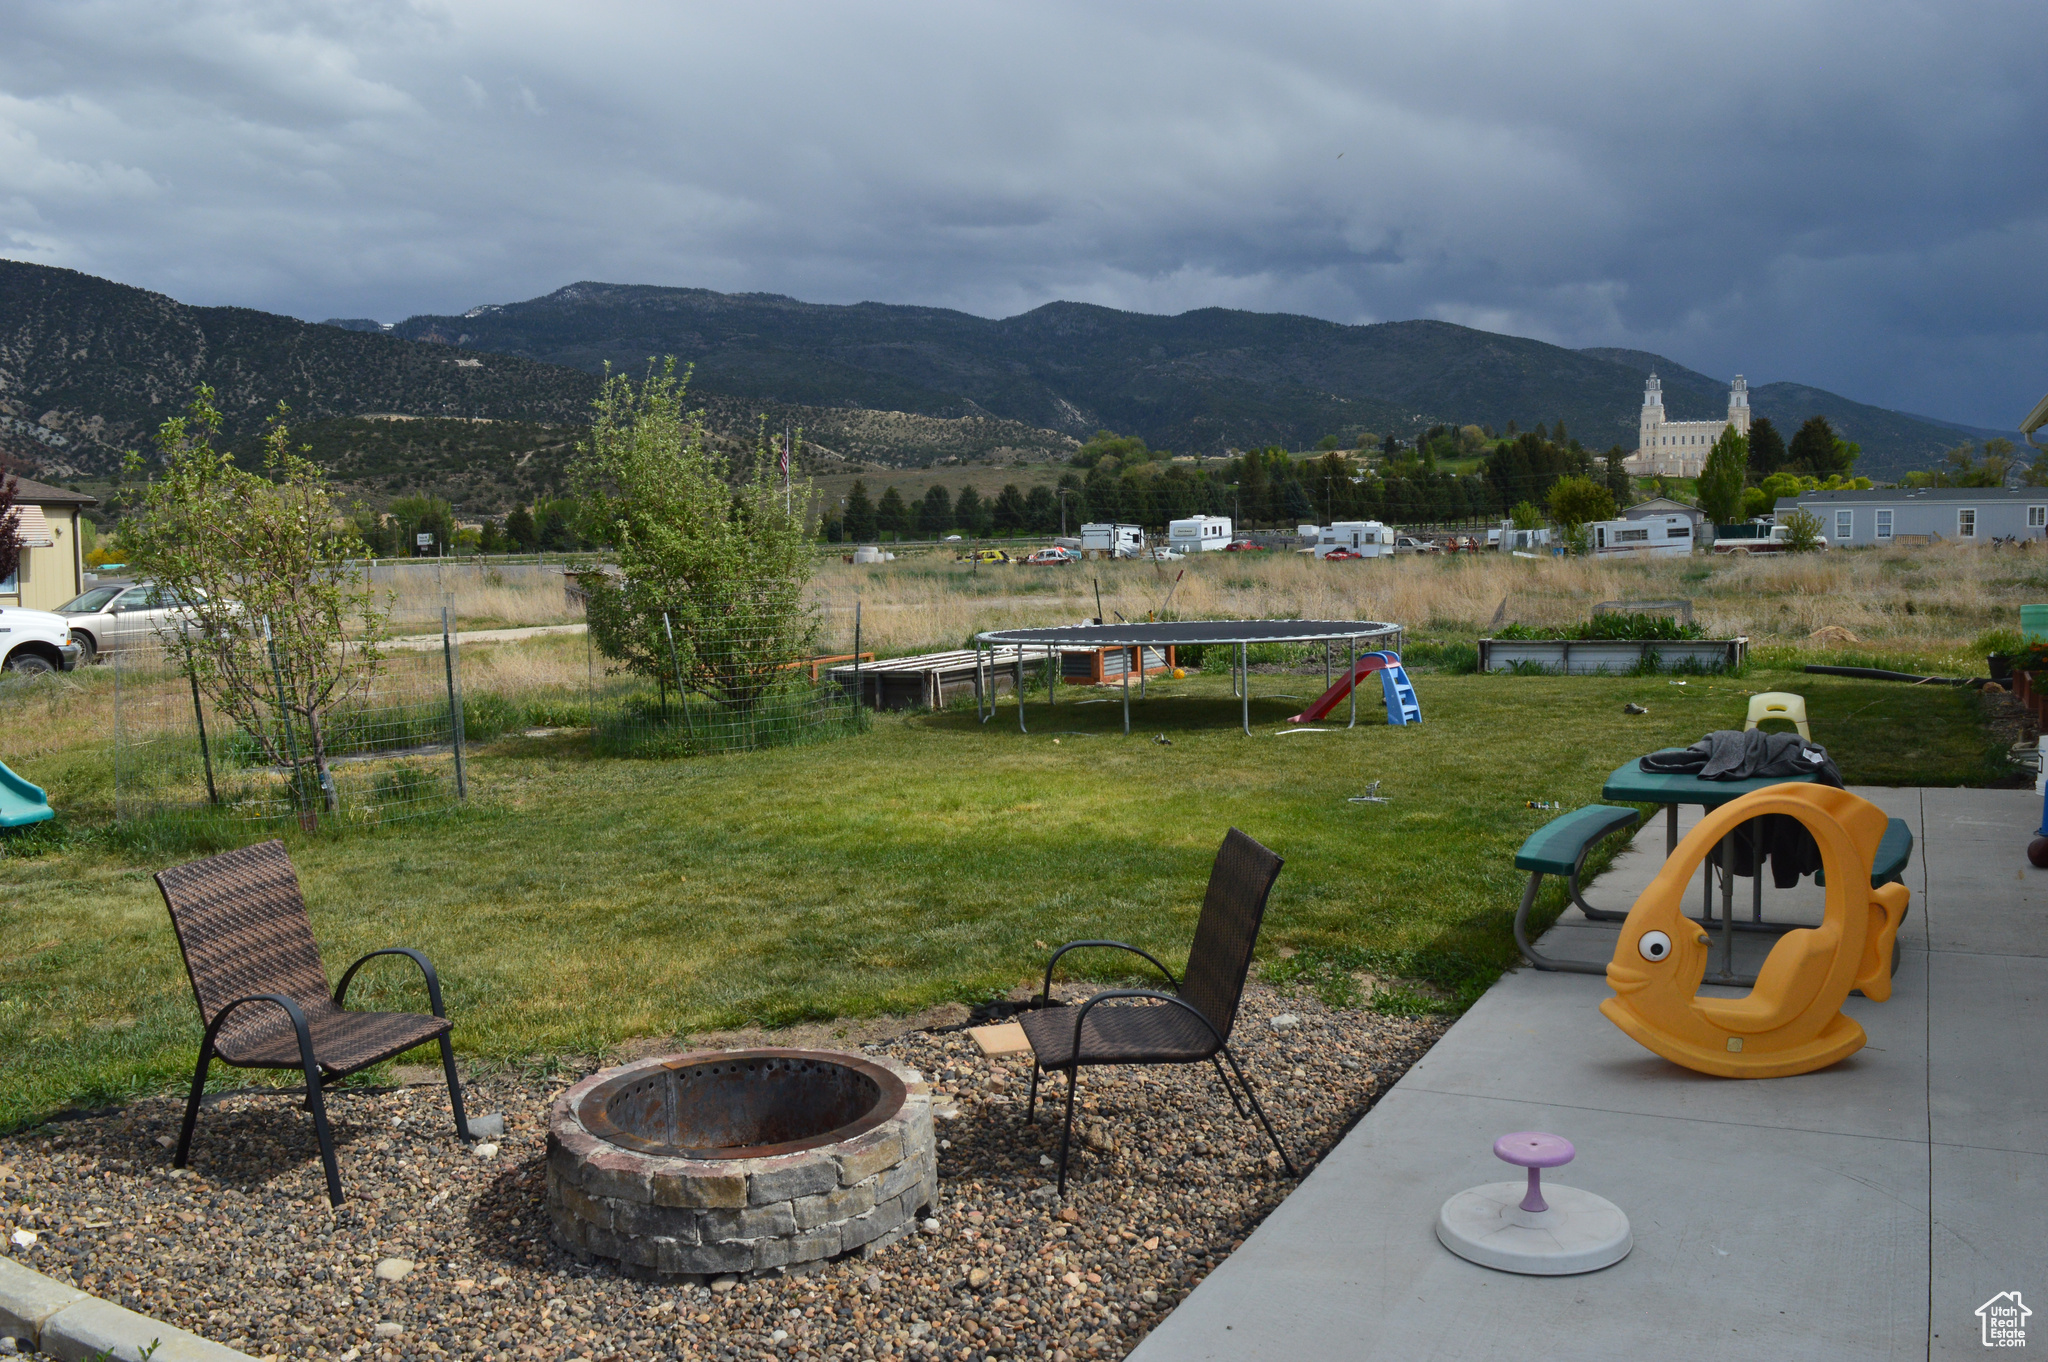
[1631, 784]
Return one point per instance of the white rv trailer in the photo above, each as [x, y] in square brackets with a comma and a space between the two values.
[1657, 536]
[1366, 538]
[1118, 541]
[1198, 534]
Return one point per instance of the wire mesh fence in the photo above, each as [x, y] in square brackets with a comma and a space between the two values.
[726, 672]
[390, 751]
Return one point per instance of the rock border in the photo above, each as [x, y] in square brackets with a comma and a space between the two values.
[71, 1325]
[678, 1217]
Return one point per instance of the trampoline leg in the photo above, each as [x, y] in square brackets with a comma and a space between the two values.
[1051, 677]
[1127, 692]
[1354, 684]
[1020, 690]
[1244, 666]
[1141, 671]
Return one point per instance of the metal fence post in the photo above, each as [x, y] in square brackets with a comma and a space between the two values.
[675, 666]
[454, 703]
[859, 699]
[198, 714]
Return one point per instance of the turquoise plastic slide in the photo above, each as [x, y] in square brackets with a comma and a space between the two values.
[20, 802]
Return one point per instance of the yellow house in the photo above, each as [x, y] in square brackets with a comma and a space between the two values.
[52, 567]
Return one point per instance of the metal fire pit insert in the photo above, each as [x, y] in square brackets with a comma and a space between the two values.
[740, 1161]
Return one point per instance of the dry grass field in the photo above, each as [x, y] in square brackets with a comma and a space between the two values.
[1917, 607]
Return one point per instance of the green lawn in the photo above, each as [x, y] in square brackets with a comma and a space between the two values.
[580, 901]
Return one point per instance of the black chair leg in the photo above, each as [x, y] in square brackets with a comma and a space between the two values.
[316, 1099]
[192, 1106]
[454, 1088]
[1229, 1091]
[1031, 1109]
[1067, 1131]
[1253, 1098]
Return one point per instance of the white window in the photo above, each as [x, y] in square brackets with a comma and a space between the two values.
[1844, 520]
[1966, 524]
[1678, 532]
[1884, 524]
[2037, 517]
[1631, 536]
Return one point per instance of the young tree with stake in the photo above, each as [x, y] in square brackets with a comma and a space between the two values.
[284, 627]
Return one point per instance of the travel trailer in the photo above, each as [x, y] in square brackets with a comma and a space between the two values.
[1366, 538]
[1657, 536]
[1198, 534]
[1118, 541]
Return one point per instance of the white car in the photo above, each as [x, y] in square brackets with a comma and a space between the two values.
[35, 641]
[1162, 554]
[107, 619]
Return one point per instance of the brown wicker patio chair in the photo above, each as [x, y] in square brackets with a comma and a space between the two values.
[1186, 1026]
[262, 989]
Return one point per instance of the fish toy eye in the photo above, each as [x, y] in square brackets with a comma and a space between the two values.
[1654, 946]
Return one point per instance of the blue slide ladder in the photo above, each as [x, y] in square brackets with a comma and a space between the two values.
[1402, 706]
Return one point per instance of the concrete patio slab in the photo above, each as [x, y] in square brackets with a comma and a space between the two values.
[1863, 1211]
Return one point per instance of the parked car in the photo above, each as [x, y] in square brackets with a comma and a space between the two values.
[1045, 557]
[1243, 546]
[107, 619]
[35, 641]
[1164, 554]
[987, 556]
[1335, 554]
[1408, 543]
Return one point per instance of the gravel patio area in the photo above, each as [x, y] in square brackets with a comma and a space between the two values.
[440, 1252]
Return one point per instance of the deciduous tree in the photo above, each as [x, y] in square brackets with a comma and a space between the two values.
[284, 628]
[1576, 501]
[717, 551]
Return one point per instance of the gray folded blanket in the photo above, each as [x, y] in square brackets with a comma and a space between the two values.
[1727, 754]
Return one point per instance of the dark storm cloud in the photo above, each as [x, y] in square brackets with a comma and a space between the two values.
[1850, 195]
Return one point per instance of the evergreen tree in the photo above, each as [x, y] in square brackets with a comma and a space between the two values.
[970, 513]
[1766, 449]
[1618, 480]
[1721, 477]
[519, 528]
[1812, 450]
[1294, 501]
[1041, 515]
[860, 513]
[891, 515]
[1008, 511]
[935, 512]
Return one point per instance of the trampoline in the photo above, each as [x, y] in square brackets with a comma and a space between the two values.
[1238, 634]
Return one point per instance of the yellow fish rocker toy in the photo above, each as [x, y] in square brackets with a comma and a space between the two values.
[1791, 1022]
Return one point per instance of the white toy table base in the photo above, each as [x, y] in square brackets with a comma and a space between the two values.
[1578, 1232]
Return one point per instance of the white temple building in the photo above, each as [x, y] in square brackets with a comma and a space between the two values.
[1678, 449]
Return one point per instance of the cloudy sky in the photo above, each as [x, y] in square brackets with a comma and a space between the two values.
[1852, 195]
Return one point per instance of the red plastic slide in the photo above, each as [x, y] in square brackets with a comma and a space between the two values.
[1334, 696]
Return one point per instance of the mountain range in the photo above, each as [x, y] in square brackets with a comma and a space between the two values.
[1199, 382]
[89, 368]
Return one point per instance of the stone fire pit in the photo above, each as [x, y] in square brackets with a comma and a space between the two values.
[740, 1161]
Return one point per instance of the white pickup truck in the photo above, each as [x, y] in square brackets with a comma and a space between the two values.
[34, 641]
[1767, 539]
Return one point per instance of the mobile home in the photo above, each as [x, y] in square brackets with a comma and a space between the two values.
[1198, 534]
[1879, 516]
[1657, 536]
